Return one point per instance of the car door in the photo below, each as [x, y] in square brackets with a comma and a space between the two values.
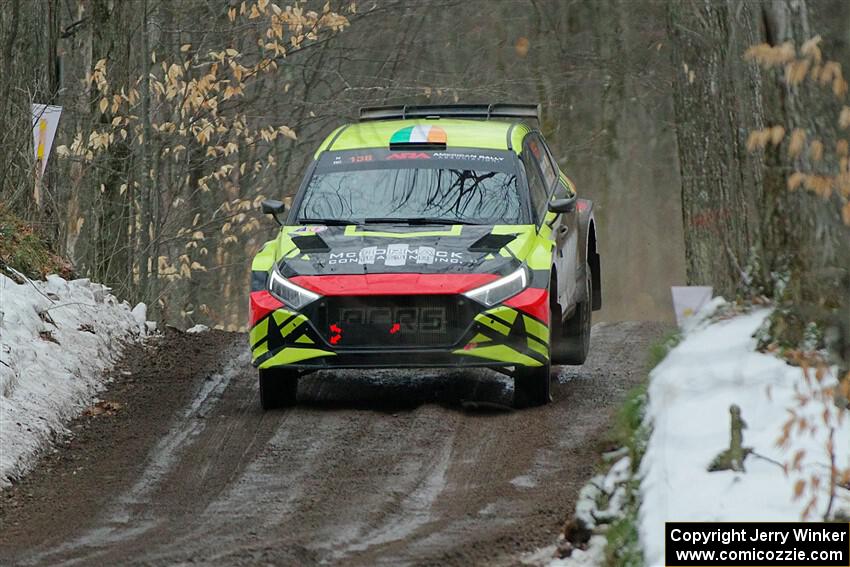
[564, 226]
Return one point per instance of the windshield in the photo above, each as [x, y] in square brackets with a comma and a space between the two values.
[440, 187]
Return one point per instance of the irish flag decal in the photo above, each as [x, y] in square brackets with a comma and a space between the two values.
[419, 135]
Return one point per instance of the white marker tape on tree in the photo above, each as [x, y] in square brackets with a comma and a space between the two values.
[687, 300]
[45, 120]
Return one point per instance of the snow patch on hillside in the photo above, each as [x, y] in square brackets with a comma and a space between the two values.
[690, 394]
[56, 339]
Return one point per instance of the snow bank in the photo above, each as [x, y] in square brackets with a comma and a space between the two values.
[689, 397]
[591, 556]
[600, 503]
[56, 338]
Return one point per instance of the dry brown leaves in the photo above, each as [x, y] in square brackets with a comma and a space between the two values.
[103, 407]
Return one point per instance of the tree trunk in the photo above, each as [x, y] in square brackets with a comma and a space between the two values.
[743, 224]
[78, 52]
[716, 97]
[8, 52]
[146, 189]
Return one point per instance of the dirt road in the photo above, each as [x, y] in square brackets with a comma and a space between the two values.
[371, 467]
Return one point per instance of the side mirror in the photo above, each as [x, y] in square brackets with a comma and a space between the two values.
[563, 205]
[273, 208]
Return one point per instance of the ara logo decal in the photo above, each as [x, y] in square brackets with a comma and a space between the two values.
[409, 155]
[396, 255]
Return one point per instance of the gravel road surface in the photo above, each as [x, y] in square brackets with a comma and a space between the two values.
[385, 467]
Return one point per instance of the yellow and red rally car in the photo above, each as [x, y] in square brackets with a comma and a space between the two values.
[428, 236]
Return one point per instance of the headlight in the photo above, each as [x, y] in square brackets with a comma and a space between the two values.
[501, 289]
[292, 295]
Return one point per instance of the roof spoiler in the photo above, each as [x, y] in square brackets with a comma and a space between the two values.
[485, 111]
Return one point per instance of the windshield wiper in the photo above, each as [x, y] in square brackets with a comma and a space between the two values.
[329, 222]
[414, 220]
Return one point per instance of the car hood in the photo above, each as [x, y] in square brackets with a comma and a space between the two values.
[383, 249]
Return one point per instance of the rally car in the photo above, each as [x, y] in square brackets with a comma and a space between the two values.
[428, 236]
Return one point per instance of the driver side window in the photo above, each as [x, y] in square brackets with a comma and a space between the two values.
[537, 189]
[541, 153]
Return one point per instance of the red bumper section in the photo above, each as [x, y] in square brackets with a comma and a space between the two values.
[534, 301]
[262, 303]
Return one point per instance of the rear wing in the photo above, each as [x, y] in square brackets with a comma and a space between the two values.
[485, 111]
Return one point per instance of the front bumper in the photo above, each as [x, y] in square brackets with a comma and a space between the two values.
[515, 333]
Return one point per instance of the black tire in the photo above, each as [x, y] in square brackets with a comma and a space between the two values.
[532, 386]
[278, 387]
[575, 333]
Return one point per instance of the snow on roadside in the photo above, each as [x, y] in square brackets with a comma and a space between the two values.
[600, 503]
[56, 339]
[690, 394]
[591, 556]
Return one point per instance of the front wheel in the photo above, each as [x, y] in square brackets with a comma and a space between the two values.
[532, 386]
[278, 387]
[575, 333]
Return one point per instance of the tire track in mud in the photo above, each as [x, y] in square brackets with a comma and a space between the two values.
[382, 467]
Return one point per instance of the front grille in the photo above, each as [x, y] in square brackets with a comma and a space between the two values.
[387, 321]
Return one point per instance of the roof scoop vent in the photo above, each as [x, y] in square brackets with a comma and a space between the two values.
[491, 242]
[313, 243]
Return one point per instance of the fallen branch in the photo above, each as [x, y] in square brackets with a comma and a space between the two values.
[45, 310]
